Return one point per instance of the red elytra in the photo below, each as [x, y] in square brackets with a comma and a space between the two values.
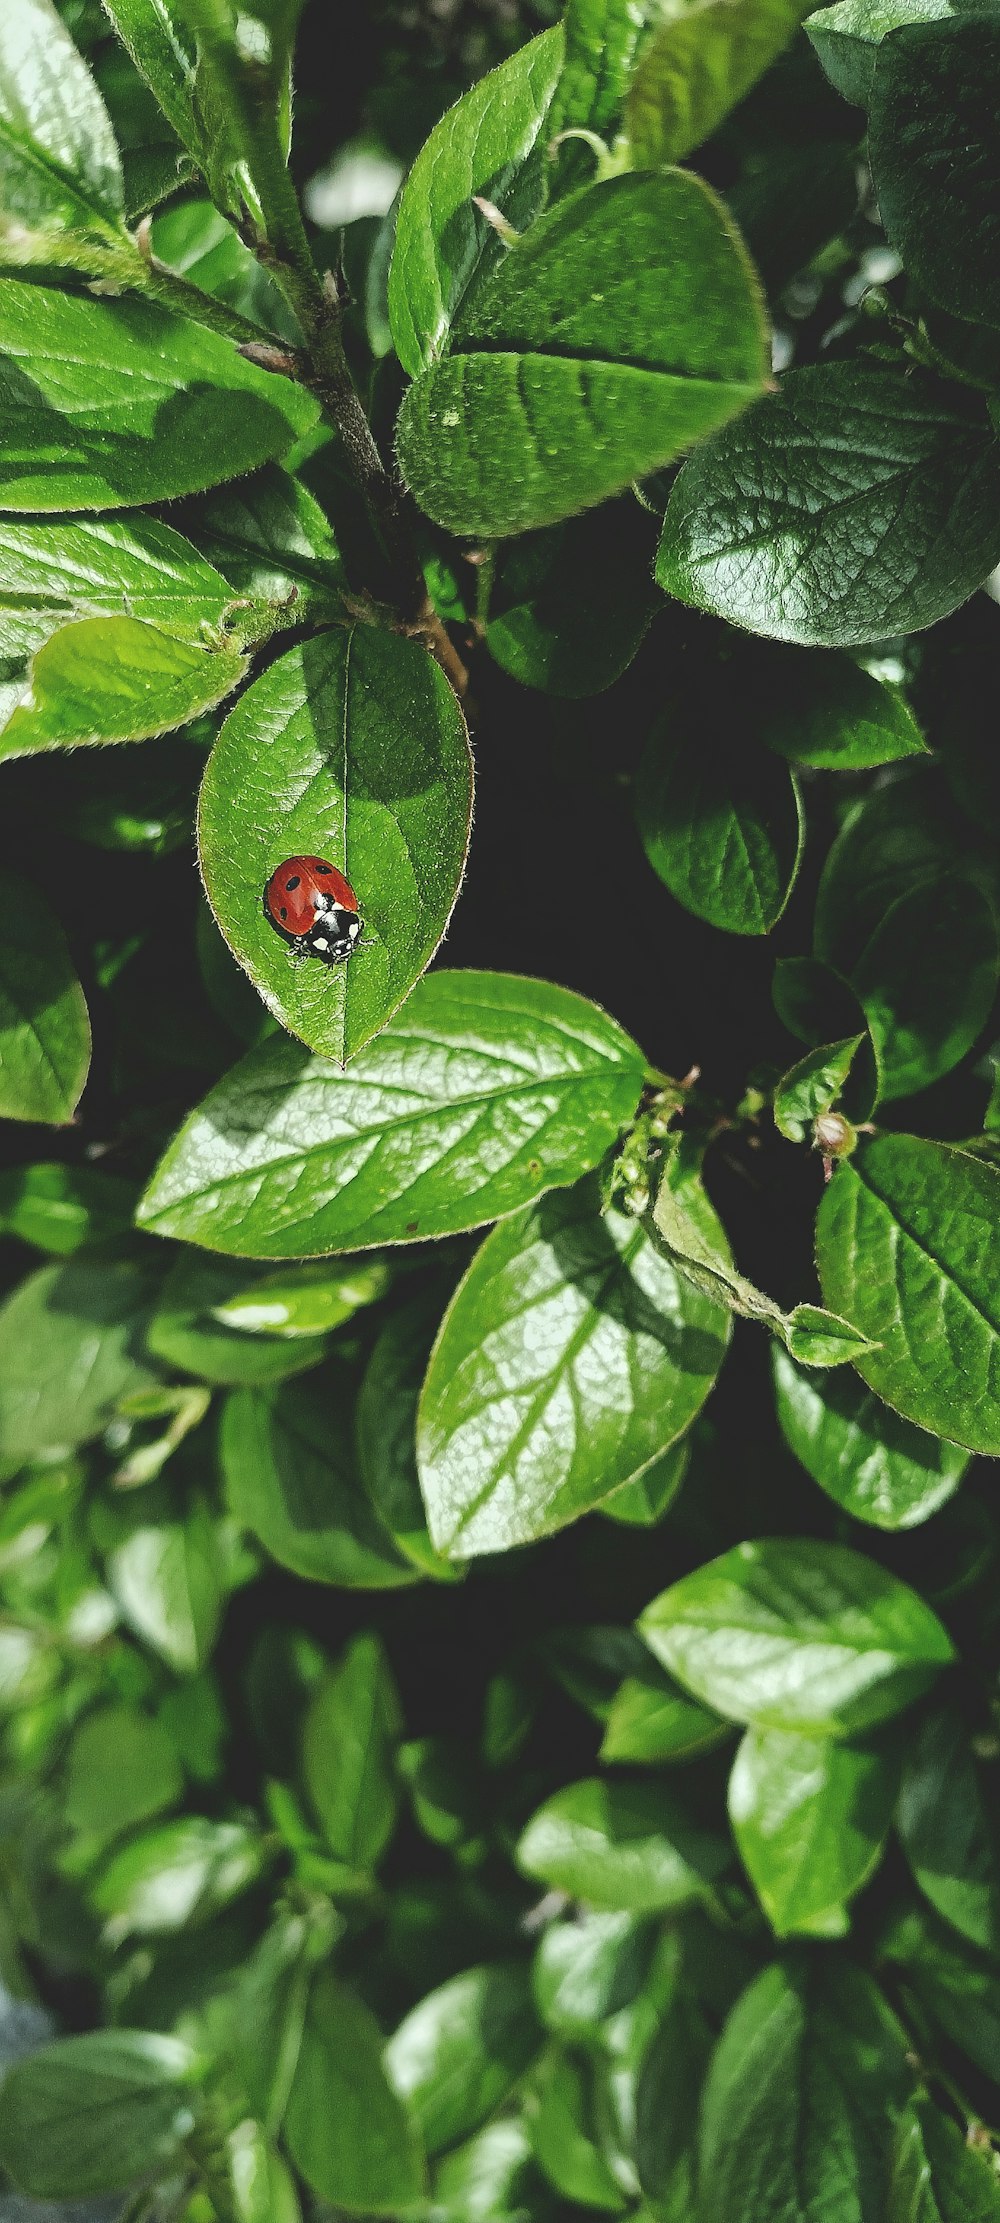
[312, 906]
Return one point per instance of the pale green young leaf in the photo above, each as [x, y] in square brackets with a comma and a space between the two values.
[459, 2052]
[652, 1721]
[186, 1331]
[60, 170]
[623, 327]
[697, 1247]
[179, 1874]
[483, 146]
[699, 61]
[812, 1086]
[107, 679]
[627, 1847]
[54, 569]
[166, 1579]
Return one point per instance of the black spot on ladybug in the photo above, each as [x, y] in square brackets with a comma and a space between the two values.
[292, 884]
[284, 913]
[324, 868]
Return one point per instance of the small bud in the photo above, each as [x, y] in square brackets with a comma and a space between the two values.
[834, 1135]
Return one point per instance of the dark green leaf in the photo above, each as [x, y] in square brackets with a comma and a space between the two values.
[385, 1425]
[349, 1741]
[957, 1987]
[59, 1207]
[860, 501]
[290, 1480]
[115, 679]
[167, 1581]
[878, 1467]
[810, 1817]
[813, 1002]
[459, 2052]
[688, 1235]
[624, 326]
[520, 1085]
[569, 607]
[927, 980]
[946, 1830]
[272, 542]
[627, 1847]
[55, 569]
[699, 62]
[481, 146]
[346, 2130]
[186, 1331]
[96, 2113]
[60, 170]
[176, 1875]
[640, 1504]
[351, 748]
[903, 837]
[563, 2131]
[44, 1027]
[806, 2083]
[159, 38]
[847, 37]
[569, 1359]
[492, 2179]
[71, 1339]
[652, 1721]
[667, 2099]
[76, 435]
[906, 1241]
[601, 41]
[938, 2176]
[933, 151]
[797, 1635]
[823, 709]
[122, 1768]
[722, 825]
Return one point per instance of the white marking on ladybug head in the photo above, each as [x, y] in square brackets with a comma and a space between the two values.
[354, 929]
[320, 941]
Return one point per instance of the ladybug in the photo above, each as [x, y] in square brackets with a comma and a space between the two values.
[311, 905]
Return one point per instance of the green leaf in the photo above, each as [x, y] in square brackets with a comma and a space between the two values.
[813, 1001]
[175, 1876]
[877, 1466]
[289, 1156]
[822, 709]
[932, 147]
[115, 679]
[905, 1239]
[492, 2178]
[688, 1235]
[624, 326]
[60, 170]
[76, 435]
[860, 501]
[158, 36]
[482, 146]
[927, 980]
[271, 542]
[810, 1817]
[629, 1847]
[564, 2135]
[55, 569]
[96, 2113]
[945, 1827]
[570, 1357]
[901, 838]
[806, 2084]
[71, 1339]
[59, 1208]
[653, 1721]
[303, 1301]
[587, 1968]
[847, 37]
[797, 1634]
[385, 1422]
[642, 1503]
[193, 239]
[957, 1987]
[121, 1769]
[722, 825]
[700, 61]
[287, 1462]
[351, 747]
[346, 2130]
[668, 2091]
[938, 2177]
[602, 37]
[570, 606]
[44, 1026]
[186, 1331]
[812, 1086]
[167, 1582]
[460, 2051]
[349, 1741]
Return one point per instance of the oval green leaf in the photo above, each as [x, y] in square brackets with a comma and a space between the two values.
[932, 145]
[877, 1466]
[460, 2051]
[115, 679]
[906, 1242]
[722, 826]
[286, 1459]
[346, 2130]
[44, 1024]
[71, 1344]
[55, 569]
[484, 1091]
[797, 1634]
[624, 326]
[353, 748]
[810, 1816]
[96, 2113]
[570, 1357]
[629, 1847]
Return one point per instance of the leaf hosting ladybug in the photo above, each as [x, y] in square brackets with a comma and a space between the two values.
[311, 905]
